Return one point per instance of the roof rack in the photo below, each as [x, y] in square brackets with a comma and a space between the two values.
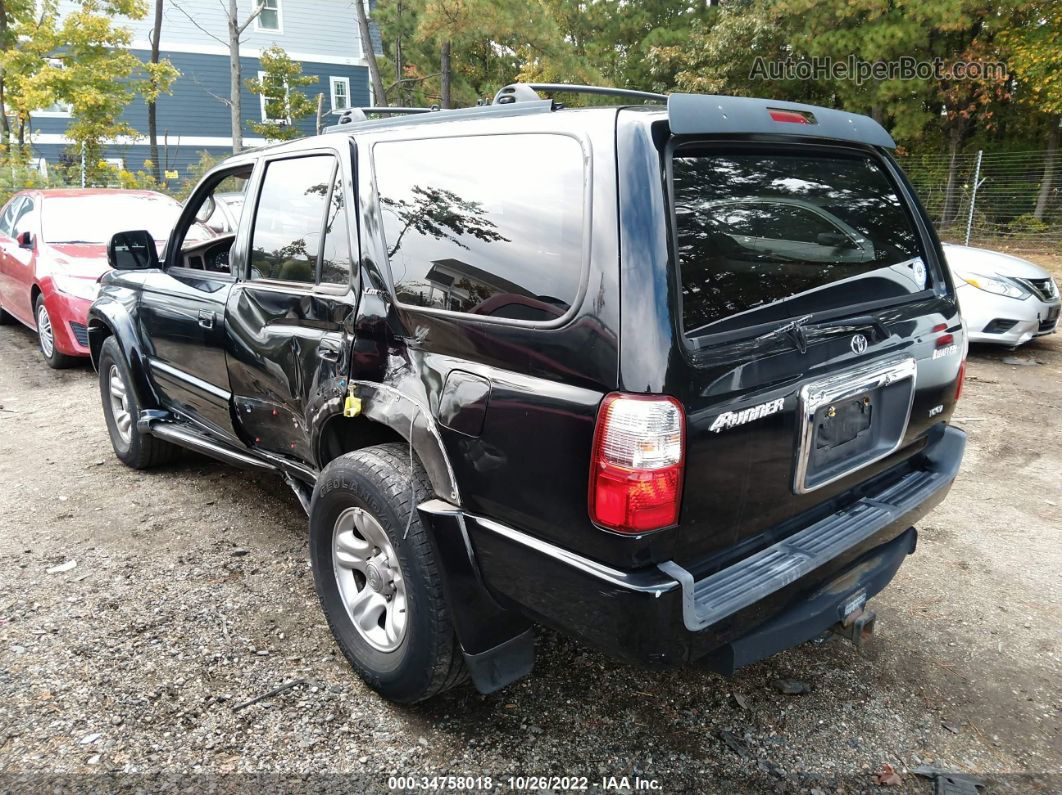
[524, 92]
[351, 115]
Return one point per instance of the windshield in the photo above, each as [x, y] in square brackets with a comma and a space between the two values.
[95, 218]
[762, 237]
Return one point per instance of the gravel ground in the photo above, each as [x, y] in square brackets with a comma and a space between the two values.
[192, 595]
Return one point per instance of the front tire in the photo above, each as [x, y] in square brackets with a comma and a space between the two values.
[380, 586]
[46, 338]
[121, 408]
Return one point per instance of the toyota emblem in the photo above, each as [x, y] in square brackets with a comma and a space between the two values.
[859, 343]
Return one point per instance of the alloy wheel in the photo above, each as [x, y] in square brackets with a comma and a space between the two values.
[123, 417]
[44, 331]
[370, 579]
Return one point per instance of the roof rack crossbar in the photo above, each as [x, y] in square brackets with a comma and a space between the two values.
[519, 92]
[351, 115]
[375, 109]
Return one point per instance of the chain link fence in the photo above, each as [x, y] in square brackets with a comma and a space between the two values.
[1003, 200]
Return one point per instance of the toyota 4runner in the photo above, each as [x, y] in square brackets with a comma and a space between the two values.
[672, 377]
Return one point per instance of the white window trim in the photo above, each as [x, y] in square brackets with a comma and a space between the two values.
[279, 29]
[117, 162]
[262, 102]
[332, 82]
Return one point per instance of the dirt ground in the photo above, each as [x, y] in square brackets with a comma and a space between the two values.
[191, 595]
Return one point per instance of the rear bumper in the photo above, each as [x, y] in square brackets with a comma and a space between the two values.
[782, 595]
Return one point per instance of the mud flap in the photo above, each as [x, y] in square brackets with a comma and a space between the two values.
[498, 644]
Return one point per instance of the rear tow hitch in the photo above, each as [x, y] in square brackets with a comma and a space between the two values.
[856, 627]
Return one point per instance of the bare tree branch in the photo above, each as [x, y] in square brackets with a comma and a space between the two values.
[254, 15]
[411, 80]
[192, 20]
[223, 100]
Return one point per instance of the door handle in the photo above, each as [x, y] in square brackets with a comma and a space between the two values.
[206, 318]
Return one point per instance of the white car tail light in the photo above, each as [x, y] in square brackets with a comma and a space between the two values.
[637, 461]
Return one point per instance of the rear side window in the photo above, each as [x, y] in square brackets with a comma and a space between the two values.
[290, 220]
[485, 225]
[763, 237]
[8, 221]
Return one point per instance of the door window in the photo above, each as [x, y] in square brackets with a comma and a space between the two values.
[290, 221]
[484, 225]
[335, 258]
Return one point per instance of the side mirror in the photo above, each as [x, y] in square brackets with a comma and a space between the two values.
[25, 240]
[132, 251]
[206, 209]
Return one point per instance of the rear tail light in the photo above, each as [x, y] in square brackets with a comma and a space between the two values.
[636, 466]
[961, 379]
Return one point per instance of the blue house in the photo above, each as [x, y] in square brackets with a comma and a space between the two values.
[321, 34]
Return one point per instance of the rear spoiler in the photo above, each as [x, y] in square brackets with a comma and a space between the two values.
[691, 114]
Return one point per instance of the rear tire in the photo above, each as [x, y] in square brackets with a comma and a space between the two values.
[121, 408]
[368, 570]
[46, 338]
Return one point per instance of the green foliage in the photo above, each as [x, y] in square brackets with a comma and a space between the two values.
[1035, 55]
[1027, 224]
[284, 102]
[195, 173]
[81, 62]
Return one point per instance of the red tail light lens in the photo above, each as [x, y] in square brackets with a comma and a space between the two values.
[792, 116]
[637, 461]
[961, 379]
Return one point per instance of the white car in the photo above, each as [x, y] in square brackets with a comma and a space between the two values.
[1003, 299]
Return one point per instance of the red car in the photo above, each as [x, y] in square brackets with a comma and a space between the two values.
[53, 249]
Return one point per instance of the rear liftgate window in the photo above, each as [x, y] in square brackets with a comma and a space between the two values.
[487, 225]
[766, 237]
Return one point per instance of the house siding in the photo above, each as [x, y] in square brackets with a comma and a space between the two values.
[193, 110]
[324, 28]
[322, 35]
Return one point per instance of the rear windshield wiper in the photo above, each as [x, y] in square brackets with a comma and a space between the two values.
[796, 330]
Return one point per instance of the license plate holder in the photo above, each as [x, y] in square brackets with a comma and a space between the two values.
[852, 419]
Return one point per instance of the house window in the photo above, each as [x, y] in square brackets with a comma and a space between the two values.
[340, 92]
[269, 18]
[264, 100]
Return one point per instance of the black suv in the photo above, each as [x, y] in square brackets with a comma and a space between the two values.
[673, 377]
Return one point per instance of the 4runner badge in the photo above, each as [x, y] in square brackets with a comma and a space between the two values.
[731, 419]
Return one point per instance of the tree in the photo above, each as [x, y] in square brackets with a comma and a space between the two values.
[1035, 57]
[379, 95]
[236, 29]
[160, 77]
[25, 90]
[284, 103]
[95, 72]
